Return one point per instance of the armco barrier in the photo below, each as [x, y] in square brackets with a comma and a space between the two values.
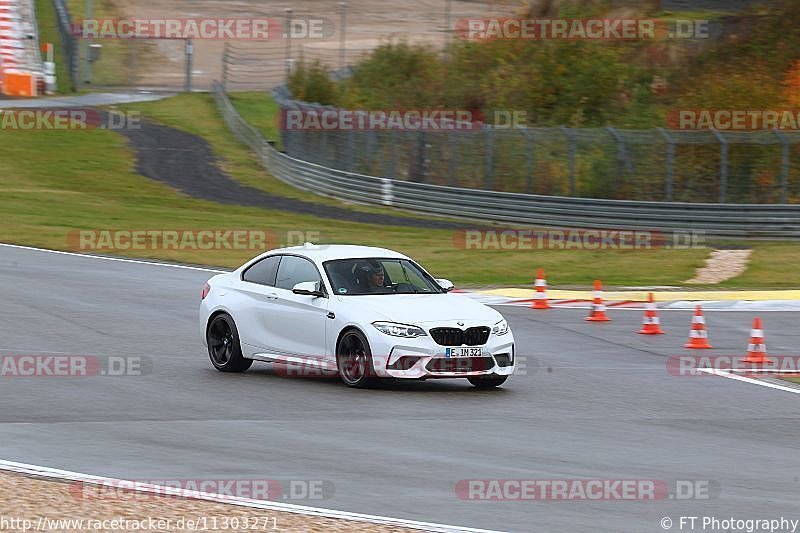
[753, 221]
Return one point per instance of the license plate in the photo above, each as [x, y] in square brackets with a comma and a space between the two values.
[462, 352]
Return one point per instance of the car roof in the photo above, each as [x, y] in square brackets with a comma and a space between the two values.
[326, 252]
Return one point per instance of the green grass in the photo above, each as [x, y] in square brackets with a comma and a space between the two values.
[771, 265]
[53, 182]
[48, 33]
[260, 110]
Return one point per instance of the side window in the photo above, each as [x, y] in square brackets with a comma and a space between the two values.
[294, 270]
[264, 271]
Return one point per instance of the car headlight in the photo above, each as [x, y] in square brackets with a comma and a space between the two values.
[399, 330]
[501, 328]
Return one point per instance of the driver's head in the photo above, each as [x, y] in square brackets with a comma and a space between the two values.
[372, 273]
[376, 278]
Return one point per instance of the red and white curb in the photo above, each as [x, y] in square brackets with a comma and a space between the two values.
[65, 475]
[679, 305]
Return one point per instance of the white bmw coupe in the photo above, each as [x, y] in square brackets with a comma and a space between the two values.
[366, 313]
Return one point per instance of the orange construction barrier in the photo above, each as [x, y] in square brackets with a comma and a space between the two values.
[18, 83]
[698, 336]
[650, 322]
[540, 298]
[757, 350]
[598, 313]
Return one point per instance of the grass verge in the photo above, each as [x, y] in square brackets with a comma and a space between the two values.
[260, 110]
[53, 182]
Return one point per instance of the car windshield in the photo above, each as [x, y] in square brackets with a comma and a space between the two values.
[354, 277]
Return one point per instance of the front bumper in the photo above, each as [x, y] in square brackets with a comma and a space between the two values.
[423, 358]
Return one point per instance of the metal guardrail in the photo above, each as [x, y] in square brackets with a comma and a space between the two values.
[758, 221]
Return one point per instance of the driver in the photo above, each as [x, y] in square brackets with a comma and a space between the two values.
[371, 276]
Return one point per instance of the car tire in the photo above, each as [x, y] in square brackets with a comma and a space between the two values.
[224, 348]
[354, 360]
[487, 382]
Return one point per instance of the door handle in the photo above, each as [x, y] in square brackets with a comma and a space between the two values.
[271, 296]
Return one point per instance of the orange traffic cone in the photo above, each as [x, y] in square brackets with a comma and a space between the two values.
[650, 322]
[598, 313]
[757, 350]
[540, 299]
[698, 336]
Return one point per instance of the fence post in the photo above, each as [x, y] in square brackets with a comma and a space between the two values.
[342, 32]
[417, 169]
[322, 156]
[723, 166]
[369, 138]
[288, 53]
[573, 148]
[489, 158]
[529, 159]
[670, 164]
[393, 169]
[189, 57]
[350, 150]
[621, 155]
[225, 67]
[87, 48]
[453, 157]
[447, 35]
[784, 165]
[132, 62]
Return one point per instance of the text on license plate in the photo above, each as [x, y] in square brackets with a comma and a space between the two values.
[462, 352]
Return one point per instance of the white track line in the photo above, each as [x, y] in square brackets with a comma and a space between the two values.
[729, 375]
[120, 259]
[52, 473]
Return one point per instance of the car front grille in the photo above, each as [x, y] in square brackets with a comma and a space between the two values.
[460, 364]
[475, 336]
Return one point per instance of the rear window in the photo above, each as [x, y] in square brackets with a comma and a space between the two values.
[264, 271]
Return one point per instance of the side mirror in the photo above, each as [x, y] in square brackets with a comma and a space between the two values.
[446, 284]
[308, 288]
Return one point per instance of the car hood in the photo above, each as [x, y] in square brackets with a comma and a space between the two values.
[423, 308]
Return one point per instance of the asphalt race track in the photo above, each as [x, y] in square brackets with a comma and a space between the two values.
[596, 402]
